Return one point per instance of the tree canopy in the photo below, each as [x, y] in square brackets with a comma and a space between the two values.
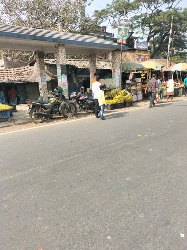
[66, 16]
[151, 19]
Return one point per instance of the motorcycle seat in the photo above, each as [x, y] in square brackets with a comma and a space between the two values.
[38, 101]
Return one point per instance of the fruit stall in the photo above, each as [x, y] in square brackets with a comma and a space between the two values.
[118, 99]
[5, 111]
[179, 89]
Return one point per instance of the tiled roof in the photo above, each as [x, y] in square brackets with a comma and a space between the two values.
[81, 63]
[16, 74]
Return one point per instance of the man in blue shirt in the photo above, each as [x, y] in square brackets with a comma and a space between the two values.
[2, 97]
[185, 84]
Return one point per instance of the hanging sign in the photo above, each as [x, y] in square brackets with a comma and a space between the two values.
[117, 77]
[123, 30]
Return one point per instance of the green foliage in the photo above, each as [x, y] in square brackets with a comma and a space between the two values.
[65, 16]
[153, 20]
[68, 16]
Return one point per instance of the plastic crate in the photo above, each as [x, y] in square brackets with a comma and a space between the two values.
[120, 105]
[4, 114]
[128, 104]
[111, 106]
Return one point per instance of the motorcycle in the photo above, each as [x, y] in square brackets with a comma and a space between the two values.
[56, 106]
[83, 102]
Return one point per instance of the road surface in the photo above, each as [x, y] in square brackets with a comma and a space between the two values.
[119, 184]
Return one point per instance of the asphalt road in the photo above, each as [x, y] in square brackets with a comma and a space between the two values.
[97, 185]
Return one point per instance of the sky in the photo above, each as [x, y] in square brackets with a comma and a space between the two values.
[99, 4]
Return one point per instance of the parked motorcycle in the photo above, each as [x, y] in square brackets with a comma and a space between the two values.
[56, 106]
[83, 102]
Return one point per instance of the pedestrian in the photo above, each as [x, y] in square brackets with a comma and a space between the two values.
[170, 89]
[185, 84]
[152, 87]
[2, 98]
[12, 94]
[160, 88]
[95, 91]
[102, 102]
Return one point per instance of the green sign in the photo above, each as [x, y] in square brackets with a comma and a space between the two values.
[123, 30]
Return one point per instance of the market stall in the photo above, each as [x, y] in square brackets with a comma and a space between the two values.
[5, 112]
[118, 99]
[177, 71]
[133, 84]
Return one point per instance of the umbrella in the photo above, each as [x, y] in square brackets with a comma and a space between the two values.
[130, 66]
[179, 67]
[152, 65]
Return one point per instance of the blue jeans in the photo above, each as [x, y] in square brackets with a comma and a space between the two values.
[13, 101]
[101, 113]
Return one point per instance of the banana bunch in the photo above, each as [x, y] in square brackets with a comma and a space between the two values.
[128, 98]
[5, 107]
[119, 98]
[110, 102]
[112, 86]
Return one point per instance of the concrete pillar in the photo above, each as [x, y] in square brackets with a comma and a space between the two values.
[92, 62]
[116, 68]
[39, 55]
[60, 53]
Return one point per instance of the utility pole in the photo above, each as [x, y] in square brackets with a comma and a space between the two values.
[121, 73]
[169, 42]
[170, 33]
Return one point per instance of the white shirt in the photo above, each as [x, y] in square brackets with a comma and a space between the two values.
[96, 89]
[170, 86]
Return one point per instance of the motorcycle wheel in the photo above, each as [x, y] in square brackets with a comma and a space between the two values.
[34, 117]
[68, 110]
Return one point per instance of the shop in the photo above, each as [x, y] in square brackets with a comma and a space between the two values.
[132, 78]
[25, 82]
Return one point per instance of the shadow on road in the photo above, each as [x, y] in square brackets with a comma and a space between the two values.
[162, 105]
[115, 115]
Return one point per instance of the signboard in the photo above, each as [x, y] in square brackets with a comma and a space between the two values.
[118, 75]
[123, 30]
[64, 82]
[141, 45]
[43, 77]
[142, 56]
[58, 67]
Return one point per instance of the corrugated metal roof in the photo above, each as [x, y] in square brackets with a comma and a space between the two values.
[55, 37]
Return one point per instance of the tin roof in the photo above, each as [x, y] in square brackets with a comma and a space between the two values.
[30, 39]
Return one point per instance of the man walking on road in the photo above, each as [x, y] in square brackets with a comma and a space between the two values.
[185, 85]
[152, 87]
[96, 90]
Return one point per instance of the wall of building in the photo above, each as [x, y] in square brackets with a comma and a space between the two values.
[135, 55]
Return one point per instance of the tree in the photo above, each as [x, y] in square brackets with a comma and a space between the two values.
[65, 16]
[152, 19]
[47, 14]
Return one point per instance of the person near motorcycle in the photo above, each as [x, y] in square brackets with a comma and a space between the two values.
[102, 102]
[95, 91]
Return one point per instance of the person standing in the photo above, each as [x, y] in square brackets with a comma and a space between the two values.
[12, 94]
[170, 89]
[95, 91]
[185, 84]
[160, 88]
[2, 97]
[152, 87]
[102, 102]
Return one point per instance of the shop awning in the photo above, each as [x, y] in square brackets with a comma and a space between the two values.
[132, 66]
